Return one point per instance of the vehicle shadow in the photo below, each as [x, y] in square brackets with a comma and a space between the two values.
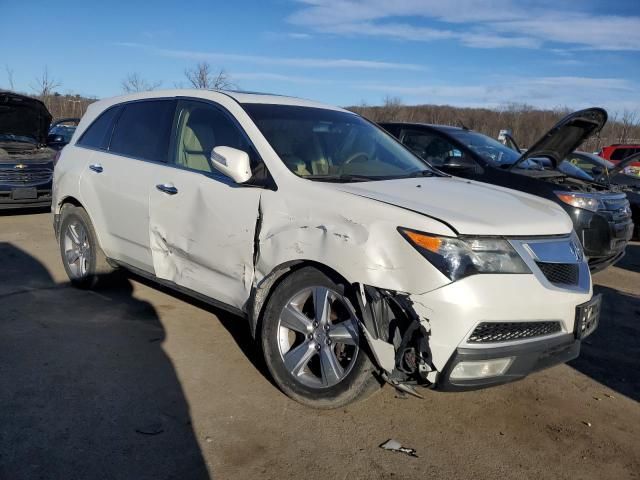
[610, 355]
[631, 260]
[86, 390]
[237, 327]
[12, 212]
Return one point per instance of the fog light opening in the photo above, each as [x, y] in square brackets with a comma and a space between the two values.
[481, 368]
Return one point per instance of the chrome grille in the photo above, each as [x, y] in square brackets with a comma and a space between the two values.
[492, 332]
[25, 177]
[561, 273]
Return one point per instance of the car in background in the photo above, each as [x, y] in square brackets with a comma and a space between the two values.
[352, 260]
[621, 177]
[61, 132]
[601, 215]
[618, 151]
[26, 162]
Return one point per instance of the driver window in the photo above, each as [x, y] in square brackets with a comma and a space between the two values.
[432, 148]
[201, 127]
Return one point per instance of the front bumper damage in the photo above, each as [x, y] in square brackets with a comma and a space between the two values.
[419, 339]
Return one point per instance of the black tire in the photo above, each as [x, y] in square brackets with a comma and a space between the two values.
[358, 383]
[96, 267]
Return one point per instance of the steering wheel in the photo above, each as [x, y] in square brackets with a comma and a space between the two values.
[352, 158]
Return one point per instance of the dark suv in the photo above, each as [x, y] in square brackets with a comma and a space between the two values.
[26, 162]
[601, 216]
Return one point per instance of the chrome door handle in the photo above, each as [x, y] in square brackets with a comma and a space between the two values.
[96, 167]
[167, 188]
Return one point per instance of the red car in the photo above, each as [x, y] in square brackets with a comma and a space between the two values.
[616, 152]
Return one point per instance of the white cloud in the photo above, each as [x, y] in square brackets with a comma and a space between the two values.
[474, 23]
[615, 94]
[302, 62]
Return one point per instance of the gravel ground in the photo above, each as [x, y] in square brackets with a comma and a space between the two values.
[137, 382]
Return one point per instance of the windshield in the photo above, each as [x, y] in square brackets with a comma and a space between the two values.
[323, 144]
[65, 131]
[491, 150]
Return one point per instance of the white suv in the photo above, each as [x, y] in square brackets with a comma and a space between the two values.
[353, 261]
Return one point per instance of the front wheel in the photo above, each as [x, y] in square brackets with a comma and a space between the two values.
[312, 342]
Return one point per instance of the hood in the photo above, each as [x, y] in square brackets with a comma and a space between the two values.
[566, 136]
[23, 116]
[470, 208]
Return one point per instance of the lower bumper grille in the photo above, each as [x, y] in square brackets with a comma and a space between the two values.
[561, 273]
[493, 332]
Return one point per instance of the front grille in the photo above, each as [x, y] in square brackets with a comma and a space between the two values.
[492, 332]
[25, 177]
[561, 273]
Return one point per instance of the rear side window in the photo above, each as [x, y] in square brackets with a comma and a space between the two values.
[99, 132]
[143, 130]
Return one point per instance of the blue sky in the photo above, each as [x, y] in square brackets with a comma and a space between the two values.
[570, 53]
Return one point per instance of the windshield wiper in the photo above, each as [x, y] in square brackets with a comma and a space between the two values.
[343, 178]
[421, 173]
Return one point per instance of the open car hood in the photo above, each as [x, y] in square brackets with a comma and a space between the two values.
[23, 116]
[566, 136]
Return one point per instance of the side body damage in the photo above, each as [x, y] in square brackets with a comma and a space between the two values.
[317, 233]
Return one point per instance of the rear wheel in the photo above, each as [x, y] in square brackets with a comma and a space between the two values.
[312, 342]
[82, 257]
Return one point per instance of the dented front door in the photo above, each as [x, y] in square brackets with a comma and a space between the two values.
[202, 233]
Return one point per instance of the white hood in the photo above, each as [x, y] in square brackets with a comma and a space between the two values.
[471, 208]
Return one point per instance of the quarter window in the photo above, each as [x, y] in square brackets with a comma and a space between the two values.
[99, 132]
[144, 130]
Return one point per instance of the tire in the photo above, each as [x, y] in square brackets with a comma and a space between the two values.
[320, 363]
[78, 239]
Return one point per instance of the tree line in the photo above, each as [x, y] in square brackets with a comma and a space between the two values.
[526, 123]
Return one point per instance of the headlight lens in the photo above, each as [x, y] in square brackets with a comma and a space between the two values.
[460, 257]
[580, 200]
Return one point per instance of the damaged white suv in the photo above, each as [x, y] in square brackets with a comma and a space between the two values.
[353, 261]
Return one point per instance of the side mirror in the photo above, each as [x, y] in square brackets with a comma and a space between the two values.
[461, 162]
[232, 162]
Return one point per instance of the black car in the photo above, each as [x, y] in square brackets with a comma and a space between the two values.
[26, 162]
[615, 177]
[61, 132]
[601, 215]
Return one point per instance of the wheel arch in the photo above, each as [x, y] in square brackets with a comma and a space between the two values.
[262, 292]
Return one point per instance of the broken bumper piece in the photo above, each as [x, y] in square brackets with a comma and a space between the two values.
[473, 368]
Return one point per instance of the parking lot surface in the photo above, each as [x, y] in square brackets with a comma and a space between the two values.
[134, 381]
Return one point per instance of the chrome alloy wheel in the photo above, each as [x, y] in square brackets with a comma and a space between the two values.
[77, 250]
[318, 337]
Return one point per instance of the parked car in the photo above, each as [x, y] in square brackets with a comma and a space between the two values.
[61, 132]
[618, 177]
[26, 163]
[352, 260]
[601, 216]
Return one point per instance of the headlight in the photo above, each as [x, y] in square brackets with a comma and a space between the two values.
[460, 257]
[581, 200]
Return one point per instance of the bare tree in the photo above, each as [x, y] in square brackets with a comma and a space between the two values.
[135, 83]
[45, 84]
[10, 76]
[202, 76]
[628, 121]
